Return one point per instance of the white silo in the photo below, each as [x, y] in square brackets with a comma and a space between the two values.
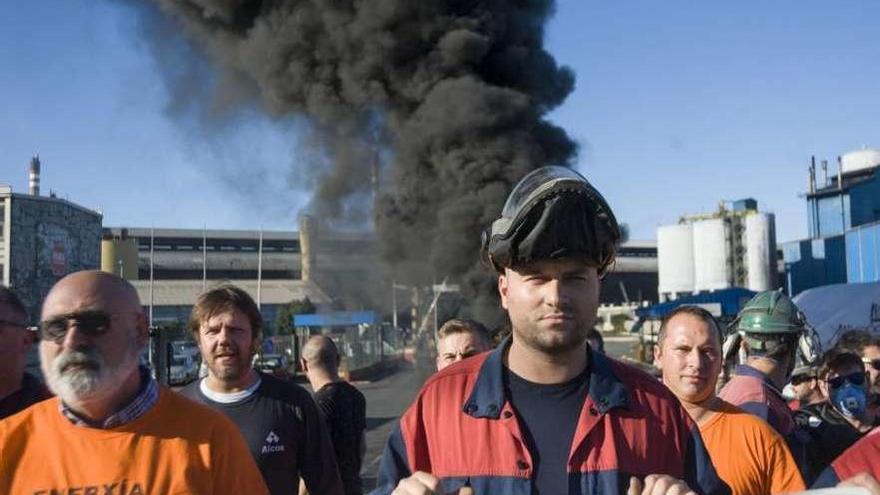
[712, 269]
[760, 244]
[675, 259]
[859, 160]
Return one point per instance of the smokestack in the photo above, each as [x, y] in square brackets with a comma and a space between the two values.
[34, 176]
[307, 238]
[824, 173]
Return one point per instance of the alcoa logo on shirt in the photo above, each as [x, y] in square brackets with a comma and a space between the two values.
[272, 444]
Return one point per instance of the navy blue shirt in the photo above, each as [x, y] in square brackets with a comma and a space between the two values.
[285, 433]
[548, 417]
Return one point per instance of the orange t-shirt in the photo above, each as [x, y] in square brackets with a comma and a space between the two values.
[748, 454]
[177, 447]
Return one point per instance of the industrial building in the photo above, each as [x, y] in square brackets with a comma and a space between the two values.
[843, 211]
[633, 278]
[43, 238]
[171, 267]
[732, 247]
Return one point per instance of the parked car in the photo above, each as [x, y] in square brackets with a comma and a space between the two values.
[274, 364]
[182, 370]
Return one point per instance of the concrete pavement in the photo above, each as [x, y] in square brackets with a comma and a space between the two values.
[387, 398]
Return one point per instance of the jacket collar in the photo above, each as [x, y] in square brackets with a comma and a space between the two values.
[746, 370]
[487, 397]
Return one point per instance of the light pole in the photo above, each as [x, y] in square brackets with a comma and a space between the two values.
[439, 290]
[394, 288]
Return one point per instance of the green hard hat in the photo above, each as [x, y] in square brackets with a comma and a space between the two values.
[770, 312]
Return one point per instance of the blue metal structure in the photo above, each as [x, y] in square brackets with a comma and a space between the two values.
[863, 254]
[729, 301]
[814, 262]
[335, 319]
[836, 208]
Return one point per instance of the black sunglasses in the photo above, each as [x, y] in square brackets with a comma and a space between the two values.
[857, 379]
[91, 323]
[874, 363]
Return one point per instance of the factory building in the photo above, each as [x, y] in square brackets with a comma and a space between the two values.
[732, 247]
[171, 267]
[43, 238]
[843, 212]
[847, 199]
[633, 277]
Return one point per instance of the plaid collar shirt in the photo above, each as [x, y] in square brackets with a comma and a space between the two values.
[145, 400]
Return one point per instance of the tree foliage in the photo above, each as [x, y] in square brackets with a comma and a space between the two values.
[284, 318]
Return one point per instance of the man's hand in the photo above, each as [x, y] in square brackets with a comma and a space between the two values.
[421, 483]
[659, 484]
[862, 480]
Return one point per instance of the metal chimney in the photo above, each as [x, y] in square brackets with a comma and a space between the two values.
[307, 243]
[34, 176]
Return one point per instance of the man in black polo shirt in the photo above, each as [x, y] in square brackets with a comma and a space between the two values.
[344, 408]
[279, 420]
[18, 390]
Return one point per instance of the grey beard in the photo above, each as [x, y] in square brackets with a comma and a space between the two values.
[91, 381]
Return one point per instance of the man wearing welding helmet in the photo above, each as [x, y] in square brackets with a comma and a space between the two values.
[543, 413]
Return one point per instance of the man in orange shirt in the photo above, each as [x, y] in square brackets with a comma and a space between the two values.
[748, 454]
[112, 429]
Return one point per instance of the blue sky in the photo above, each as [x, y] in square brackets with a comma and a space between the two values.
[678, 105]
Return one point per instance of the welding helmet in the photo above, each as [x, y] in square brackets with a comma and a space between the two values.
[552, 213]
[771, 319]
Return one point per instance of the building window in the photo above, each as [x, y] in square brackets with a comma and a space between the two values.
[833, 215]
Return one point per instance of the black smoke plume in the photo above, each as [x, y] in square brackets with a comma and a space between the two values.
[447, 98]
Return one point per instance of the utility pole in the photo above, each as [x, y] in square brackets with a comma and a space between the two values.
[260, 269]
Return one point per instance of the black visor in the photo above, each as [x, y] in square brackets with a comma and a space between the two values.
[552, 213]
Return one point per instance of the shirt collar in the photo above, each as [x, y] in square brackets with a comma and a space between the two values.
[143, 402]
[487, 398]
[746, 370]
[229, 397]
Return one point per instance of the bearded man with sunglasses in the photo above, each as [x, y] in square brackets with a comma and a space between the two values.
[840, 421]
[112, 428]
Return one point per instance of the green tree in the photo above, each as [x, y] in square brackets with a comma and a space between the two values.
[284, 318]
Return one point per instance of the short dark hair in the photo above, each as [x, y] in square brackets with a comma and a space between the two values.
[856, 340]
[695, 311]
[836, 359]
[9, 298]
[463, 325]
[223, 298]
[593, 334]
